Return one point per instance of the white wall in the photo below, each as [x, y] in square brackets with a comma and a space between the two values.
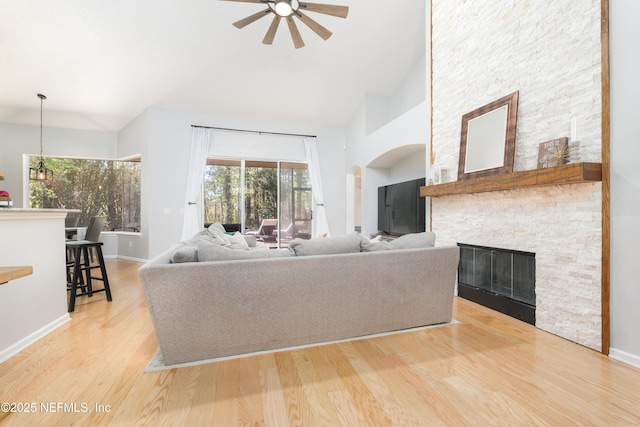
[165, 169]
[381, 110]
[412, 91]
[625, 181]
[17, 140]
[388, 139]
[394, 153]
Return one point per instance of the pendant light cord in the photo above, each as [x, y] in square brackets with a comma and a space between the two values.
[41, 101]
[42, 98]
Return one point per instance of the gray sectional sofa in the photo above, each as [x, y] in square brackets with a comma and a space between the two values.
[208, 309]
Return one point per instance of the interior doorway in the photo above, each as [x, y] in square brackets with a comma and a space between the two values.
[354, 200]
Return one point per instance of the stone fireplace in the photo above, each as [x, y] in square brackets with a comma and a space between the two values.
[560, 224]
[481, 52]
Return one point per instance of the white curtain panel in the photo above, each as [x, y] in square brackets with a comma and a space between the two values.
[193, 221]
[313, 161]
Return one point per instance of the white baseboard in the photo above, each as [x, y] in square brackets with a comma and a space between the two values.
[129, 258]
[16, 348]
[624, 357]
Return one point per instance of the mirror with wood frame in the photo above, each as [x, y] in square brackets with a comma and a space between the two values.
[488, 139]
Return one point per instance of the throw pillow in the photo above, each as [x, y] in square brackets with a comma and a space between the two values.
[219, 234]
[217, 227]
[202, 236]
[326, 245]
[185, 254]
[372, 245]
[237, 241]
[251, 241]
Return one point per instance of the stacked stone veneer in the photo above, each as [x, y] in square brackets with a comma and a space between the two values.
[551, 53]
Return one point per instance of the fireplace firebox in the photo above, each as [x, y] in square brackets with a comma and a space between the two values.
[501, 279]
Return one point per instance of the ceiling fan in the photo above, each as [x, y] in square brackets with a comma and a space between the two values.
[287, 10]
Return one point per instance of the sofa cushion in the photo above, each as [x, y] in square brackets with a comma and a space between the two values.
[213, 252]
[414, 240]
[185, 253]
[326, 245]
[407, 241]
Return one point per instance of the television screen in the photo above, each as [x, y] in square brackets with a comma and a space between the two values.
[401, 210]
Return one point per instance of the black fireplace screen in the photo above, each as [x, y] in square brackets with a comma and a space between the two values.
[511, 274]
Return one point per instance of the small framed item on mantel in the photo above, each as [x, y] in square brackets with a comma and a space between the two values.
[553, 153]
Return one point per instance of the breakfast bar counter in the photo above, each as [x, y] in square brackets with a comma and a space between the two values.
[36, 303]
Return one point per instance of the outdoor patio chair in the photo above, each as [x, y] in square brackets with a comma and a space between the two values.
[266, 230]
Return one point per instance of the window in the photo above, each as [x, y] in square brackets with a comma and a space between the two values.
[222, 192]
[108, 188]
[270, 199]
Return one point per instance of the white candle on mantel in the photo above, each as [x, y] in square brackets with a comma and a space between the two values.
[574, 131]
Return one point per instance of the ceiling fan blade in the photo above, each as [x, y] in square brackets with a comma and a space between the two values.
[249, 19]
[317, 28]
[295, 34]
[271, 32]
[327, 9]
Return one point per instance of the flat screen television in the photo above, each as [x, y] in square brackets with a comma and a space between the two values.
[401, 210]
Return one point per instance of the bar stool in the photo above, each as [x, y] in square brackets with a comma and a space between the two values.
[80, 260]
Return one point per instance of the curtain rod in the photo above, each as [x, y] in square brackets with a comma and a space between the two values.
[253, 131]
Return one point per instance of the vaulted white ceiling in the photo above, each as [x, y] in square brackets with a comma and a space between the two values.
[102, 63]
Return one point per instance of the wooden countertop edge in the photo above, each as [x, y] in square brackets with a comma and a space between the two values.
[11, 273]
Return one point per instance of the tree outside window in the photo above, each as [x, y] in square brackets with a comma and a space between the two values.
[108, 188]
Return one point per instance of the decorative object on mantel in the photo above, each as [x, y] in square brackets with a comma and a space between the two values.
[287, 10]
[573, 154]
[431, 167]
[553, 153]
[41, 173]
[1, 177]
[488, 139]
[442, 176]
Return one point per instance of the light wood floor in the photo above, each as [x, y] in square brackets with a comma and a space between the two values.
[487, 370]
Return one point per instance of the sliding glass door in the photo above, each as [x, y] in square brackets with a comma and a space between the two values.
[295, 202]
[267, 199]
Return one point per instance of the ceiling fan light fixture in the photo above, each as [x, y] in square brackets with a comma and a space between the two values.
[283, 8]
[290, 11]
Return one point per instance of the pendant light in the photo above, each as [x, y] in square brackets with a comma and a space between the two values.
[41, 173]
